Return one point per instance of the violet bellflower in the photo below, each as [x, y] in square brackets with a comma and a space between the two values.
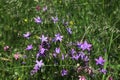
[37, 66]
[103, 71]
[58, 37]
[85, 46]
[100, 61]
[76, 57]
[57, 50]
[64, 72]
[54, 19]
[79, 44]
[38, 20]
[29, 47]
[39, 63]
[72, 51]
[42, 50]
[27, 35]
[43, 39]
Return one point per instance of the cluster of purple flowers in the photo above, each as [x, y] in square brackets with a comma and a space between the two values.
[76, 54]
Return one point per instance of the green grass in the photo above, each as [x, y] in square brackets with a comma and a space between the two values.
[97, 21]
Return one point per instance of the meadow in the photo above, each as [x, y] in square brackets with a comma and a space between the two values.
[59, 39]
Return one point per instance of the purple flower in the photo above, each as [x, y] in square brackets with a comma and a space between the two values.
[29, 47]
[86, 58]
[38, 20]
[36, 67]
[57, 50]
[27, 35]
[55, 19]
[44, 39]
[58, 37]
[79, 44]
[64, 72]
[72, 51]
[45, 8]
[85, 46]
[42, 50]
[82, 55]
[38, 54]
[103, 71]
[76, 57]
[39, 64]
[100, 61]
[69, 30]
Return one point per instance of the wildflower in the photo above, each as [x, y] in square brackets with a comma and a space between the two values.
[39, 64]
[29, 47]
[103, 71]
[41, 50]
[55, 19]
[38, 20]
[27, 35]
[86, 58]
[45, 8]
[64, 72]
[71, 22]
[37, 8]
[82, 55]
[6, 48]
[76, 57]
[69, 30]
[82, 78]
[85, 46]
[72, 51]
[100, 61]
[17, 56]
[37, 55]
[58, 37]
[44, 39]
[57, 50]
[36, 67]
[79, 44]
